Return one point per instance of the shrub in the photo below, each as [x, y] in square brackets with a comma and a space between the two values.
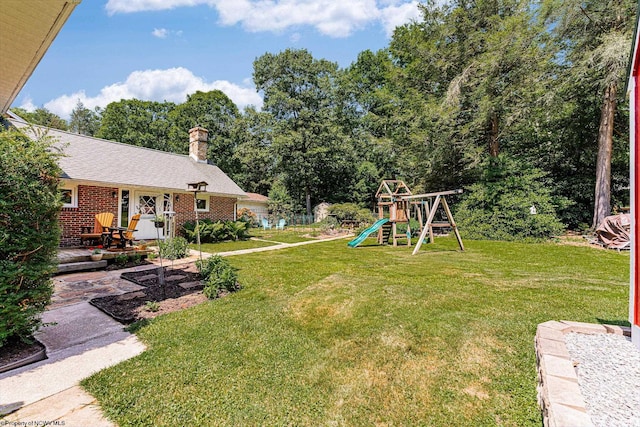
[328, 224]
[351, 212]
[498, 207]
[29, 232]
[121, 259]
[248, 216]
[174, 248]
[401, 228]
[237, 230]
[218, 231]
[218, 276]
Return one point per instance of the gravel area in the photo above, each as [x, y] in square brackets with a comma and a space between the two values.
[608, 368]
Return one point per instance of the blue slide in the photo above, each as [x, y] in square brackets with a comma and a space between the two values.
[375, 227]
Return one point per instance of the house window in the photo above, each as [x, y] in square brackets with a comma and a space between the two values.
[69, 197]
[124, 208]
[202, 203]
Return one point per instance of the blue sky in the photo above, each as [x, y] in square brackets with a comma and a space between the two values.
[165, 49]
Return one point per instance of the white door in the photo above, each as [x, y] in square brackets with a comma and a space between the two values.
[148, 204]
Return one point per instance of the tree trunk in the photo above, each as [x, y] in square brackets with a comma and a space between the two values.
[308, 200]
[602, 204]
[494, 144]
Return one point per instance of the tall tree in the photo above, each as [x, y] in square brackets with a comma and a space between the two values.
[84, 121]
[43, 117]
[595, 36]
[135, 122]
[254, 153]
[299, 92]
[215, 112]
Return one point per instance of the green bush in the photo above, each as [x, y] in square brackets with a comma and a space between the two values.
[401, 228]
[29, 231]
[174, 248]
[328, 224]
[218, 276]
[498, 207]
[351, 212]
[121, 259]
[218, 231]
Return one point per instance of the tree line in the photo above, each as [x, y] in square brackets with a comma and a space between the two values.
[520, 101]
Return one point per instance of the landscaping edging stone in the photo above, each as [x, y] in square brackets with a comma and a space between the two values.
[559, 395]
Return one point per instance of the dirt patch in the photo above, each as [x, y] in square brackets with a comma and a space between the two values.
[172, 304]
[176, 294]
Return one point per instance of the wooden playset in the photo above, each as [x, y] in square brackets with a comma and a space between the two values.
[396, 203]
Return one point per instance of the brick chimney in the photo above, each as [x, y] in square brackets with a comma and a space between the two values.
[198, 137]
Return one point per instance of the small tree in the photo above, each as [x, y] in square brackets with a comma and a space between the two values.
[29, 232]
[280, 204]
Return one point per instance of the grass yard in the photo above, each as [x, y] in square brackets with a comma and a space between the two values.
[230, 245]
[288, 235]
[326, 335]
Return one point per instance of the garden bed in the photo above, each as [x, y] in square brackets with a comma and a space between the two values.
[15, 354]
[128, 307]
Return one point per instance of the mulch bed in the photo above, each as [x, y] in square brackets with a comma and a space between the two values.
[125, 308]
[115, 266]
[14, 352]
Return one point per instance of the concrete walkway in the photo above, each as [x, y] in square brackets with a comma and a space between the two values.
[80, 341]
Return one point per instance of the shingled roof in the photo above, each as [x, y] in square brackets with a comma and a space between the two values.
[112, 163]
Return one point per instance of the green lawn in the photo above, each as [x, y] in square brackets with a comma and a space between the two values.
[326, 335]
[230, 246]
[288, 235]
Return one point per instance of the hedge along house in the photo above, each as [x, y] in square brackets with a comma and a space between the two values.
[633, 87]
[106, 176]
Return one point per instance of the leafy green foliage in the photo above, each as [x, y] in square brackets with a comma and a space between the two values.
[43, 117]
[142, 123]
[213, 111]
[29, 231]
[174, 248]
[218, 276]
[351, 212]
[84, 121]
[312, 149]
[280, 204]
[121, 259]
[217, 231]
[499, 206]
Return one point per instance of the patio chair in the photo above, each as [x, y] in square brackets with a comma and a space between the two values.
[101, 225]
[280, 224]
[120, 236]
[265, 224]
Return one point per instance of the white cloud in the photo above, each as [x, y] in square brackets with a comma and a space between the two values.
[173, 84]
[396, 15]
[334, 18]
[160, 33]
[28, 105]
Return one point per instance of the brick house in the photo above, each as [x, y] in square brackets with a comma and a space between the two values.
[106, 176]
